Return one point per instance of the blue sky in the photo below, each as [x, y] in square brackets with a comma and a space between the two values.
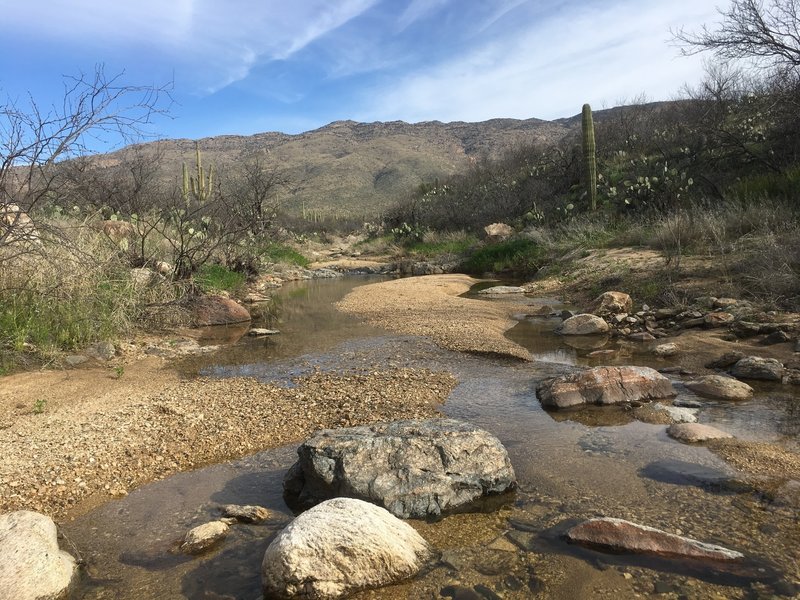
[243, 67]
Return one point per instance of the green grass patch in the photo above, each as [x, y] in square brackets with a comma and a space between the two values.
[447, 246]
[518, 256]
[281, 253]
[216, 278]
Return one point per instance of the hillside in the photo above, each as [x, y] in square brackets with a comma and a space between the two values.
[349, 168]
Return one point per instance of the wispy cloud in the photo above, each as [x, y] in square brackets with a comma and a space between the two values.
[417, 9]
[212, 43]
[551, 66]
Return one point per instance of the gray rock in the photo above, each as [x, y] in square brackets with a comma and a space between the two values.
[726, 360]
[245, 513]
[746, 329]
[754, 367]
[687, 403]
[718, 319]
[605, 385]
[102, 350]
[261, 332]
[338, 547]
[718, 386]
[32, 566]
[725, 302]
[695, 432]
[641, 336]
[502, 290]
[412, 468]
[678, 414]
[776, 337]
[204, 536]
[73, 360]
[618, 535]
[666, 350]
[583, 324]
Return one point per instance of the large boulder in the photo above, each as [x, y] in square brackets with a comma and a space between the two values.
[217, 310]
[497, 232]
[613, 303]
[583, 324]
[755, 367]
[618, 535]
[605, 385]
[721, 387]
[338, 547]
[412, 468]
[32, 566]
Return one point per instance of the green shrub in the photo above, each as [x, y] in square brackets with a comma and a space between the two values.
[281, 253]
[216, 278]
[436, 244]
[519, 256]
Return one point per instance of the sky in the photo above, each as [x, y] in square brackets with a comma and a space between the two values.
[249, 66]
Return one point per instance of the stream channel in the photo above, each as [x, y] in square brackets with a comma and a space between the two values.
[570, 466]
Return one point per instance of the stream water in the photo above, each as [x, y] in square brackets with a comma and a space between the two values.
[568, 469]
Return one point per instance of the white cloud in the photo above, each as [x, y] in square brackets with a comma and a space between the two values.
[553, 66]
[212, 43]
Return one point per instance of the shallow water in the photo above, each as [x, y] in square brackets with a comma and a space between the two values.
[567, 471]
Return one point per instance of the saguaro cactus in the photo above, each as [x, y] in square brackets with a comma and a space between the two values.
[589, 156]
[198, 186]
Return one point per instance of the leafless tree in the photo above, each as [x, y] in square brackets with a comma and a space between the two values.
[764, 31]
[34, 138]
[257, 190]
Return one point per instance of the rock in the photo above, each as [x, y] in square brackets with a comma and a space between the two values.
[705, 302]
[612, 303]
[695, 432]
[618, 535]
[725, 302]
[255, 298]
[583, 324]
[604, 385]
[662, 314]
[32, 565]
[754, 367]
[73, 360]
[498, 232]
[726, 360]
[745, 329]
[641, 336]
[687, 403]
[102, 350]
[203, 537]
[245, 513]
[776, 337]
[502, 290]
[566, 314]
[718, 319]
[338, 547]
[217, 310]
[260, 332]
[142, 277]
[413, 468]
[677, 414]
[666, 350]
[719, 386]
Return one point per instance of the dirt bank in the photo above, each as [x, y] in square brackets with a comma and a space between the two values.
[430, 306]
[72, 440]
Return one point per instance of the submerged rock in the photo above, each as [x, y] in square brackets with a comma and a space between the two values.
[583, 324]
[338, 547]
[204, 536]
[695, 432]
[32, 566]
[666, 350]
[502, 290]
[245, 514]
[618, 535]
[412, 468]
[605, 385]
[719, 386]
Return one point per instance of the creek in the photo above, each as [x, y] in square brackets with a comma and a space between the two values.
[575, 466]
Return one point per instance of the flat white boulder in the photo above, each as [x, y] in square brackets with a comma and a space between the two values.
[32, 565]
[695, 432]
[719, 386]
[340, 546]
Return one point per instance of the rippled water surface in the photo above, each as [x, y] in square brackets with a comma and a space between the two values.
[567, 471]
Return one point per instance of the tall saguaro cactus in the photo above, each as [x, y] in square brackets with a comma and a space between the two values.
[589, 155]
[199, 186]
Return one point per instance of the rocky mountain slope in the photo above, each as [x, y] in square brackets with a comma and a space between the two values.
[348, 168]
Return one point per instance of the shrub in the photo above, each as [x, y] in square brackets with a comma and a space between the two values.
[517, 255]
[216, 278]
